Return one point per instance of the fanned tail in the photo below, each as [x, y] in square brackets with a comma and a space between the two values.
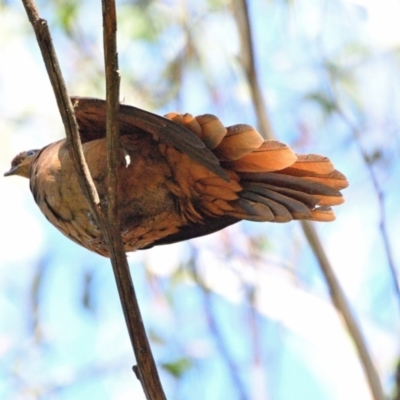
[275, 183]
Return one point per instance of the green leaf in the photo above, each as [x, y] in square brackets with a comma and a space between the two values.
[178, 367]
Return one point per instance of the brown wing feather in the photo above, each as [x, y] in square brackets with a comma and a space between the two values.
[91, 117]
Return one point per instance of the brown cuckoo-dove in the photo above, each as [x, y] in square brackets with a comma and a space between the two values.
[179, 177]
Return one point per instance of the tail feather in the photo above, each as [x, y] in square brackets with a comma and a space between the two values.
[271, 155]
[295, 207]
[267, 209]
[291, 182]
[334, 179]
[311, 200]
[207, 127]
[273, 183]
[316, 168]
[313, 163]
[240, 140]
[251, 208]
[323, 214]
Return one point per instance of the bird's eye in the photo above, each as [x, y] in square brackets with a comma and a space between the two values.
[31, 152]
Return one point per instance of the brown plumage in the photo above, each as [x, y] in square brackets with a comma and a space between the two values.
[180, 177]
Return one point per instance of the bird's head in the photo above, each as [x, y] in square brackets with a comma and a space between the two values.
[21, 163]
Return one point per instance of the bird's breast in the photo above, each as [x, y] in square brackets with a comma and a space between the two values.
[148, 208]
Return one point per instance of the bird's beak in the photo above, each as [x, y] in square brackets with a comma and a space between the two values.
[12, 171]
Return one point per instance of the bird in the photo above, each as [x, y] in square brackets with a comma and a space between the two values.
[180, 177]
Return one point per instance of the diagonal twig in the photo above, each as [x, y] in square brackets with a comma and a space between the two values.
[109, 226]
[64, 105]
[337, 295]
[340, 302]
[356, 132]
[212, 322]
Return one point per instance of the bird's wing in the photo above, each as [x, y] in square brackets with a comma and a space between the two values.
[91, 117]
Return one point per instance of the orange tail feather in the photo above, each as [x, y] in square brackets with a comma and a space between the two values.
[275, 184]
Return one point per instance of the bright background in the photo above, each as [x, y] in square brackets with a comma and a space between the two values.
[244, 313]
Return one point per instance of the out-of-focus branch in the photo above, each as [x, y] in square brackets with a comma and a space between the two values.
[375, 181]
[247, 61]
[335, 290]
[397, 383]
[216, 333]
[340, 302]
[109, 226]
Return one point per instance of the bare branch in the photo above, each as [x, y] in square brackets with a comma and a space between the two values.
[396, 395]
[64, 105]
[147, 370]
[110, 229]
[247, 60]
[336, 292]
[341, 304]
[356, 132]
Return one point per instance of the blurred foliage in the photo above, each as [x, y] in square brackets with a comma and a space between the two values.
[177, 368]
[66, 13]
[324, 101]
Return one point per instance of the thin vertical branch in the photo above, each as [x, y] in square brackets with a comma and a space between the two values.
[335, 290]
[146, 368]
[112, 95]
[109, 227]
